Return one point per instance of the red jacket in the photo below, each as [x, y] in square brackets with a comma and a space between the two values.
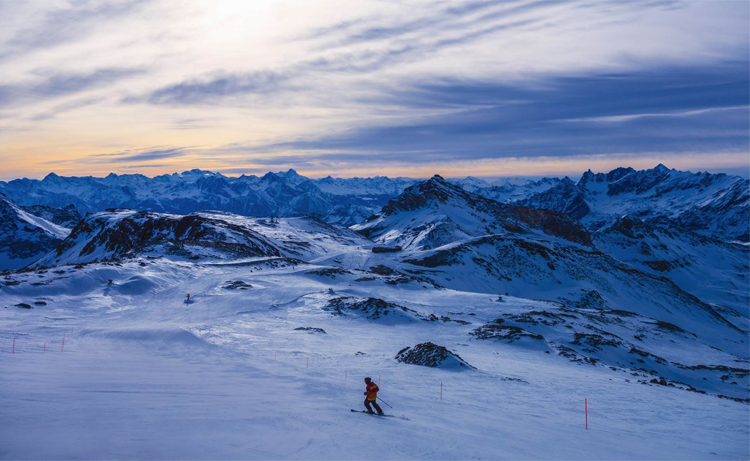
[372, 392]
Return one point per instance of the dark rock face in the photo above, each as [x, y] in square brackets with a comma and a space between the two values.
[122, 233]
[432, 355]
[66, 217]
[566, 197]
[384, 249]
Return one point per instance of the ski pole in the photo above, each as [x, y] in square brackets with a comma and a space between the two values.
[385, 402]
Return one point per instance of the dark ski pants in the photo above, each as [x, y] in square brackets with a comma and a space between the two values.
[374, 404]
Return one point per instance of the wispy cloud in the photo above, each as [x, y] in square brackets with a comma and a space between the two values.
[708, 109]
[57, 26]
[63, 83]
[126, 157]
[140, 155]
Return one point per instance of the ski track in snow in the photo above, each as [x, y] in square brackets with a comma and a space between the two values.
[146, 375]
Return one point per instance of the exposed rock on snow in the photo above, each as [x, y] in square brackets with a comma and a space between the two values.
[373, 309]
[432, 355]
[497, 330]
[311, 330]
[237, 285]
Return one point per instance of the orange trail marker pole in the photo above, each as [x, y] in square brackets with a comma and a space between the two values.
[378, 380]
[14, 345]
[441, 390]
[586, 407]
[62, 348]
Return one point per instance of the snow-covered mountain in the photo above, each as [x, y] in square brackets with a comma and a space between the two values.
[379, 186]
[467, 242]
[713, 270]
[435, 212]
[566, 297]
[120, 234]
[24, 237]
[515, 189]
[716, 205]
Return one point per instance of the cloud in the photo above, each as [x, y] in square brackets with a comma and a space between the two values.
[140, 155]
[129, 155]
[62, 25]
[54, 85]
[214, 89]
[201, 90]
[663, 109]
[63, 83]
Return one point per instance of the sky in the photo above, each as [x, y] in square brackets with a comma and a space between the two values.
[342, 88]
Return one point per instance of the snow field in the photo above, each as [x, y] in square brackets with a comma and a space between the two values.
[147, 375]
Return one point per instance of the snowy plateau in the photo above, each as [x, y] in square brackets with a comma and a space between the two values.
[200, 316]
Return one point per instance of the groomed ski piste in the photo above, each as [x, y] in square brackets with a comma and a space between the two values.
[259, 364]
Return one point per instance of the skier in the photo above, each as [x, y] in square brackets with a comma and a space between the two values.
[371, 392]
[188, 297]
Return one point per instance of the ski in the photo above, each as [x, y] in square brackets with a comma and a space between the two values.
[368, 413]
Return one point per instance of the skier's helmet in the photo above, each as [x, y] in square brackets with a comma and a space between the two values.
[367, 380]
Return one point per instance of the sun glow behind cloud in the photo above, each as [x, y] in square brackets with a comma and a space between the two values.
[343, 88]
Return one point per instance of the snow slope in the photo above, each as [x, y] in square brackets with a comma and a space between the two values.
[711, 269]
[228, 375]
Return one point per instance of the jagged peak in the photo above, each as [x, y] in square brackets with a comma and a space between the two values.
[421, 194]
[567, 181]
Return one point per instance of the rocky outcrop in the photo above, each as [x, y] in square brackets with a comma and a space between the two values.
[432, 355]
[117, 234]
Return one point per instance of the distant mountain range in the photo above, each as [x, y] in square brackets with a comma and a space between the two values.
[716, 205]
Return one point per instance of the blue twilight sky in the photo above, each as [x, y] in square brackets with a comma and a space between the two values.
[484, 88]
